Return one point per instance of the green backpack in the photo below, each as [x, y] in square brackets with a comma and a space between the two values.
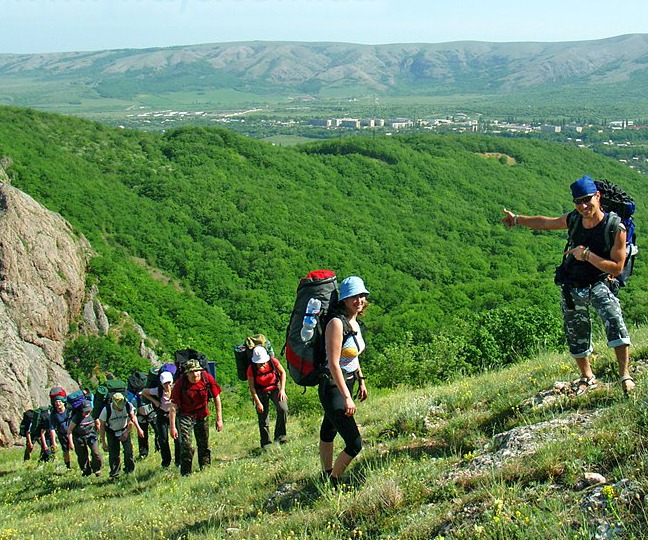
[104, 394]
[40, 421]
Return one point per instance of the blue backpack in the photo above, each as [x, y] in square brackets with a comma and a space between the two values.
[76, 399]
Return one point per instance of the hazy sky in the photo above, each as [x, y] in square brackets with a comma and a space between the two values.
[33, 26]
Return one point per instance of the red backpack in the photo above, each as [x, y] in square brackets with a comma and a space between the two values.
[305, 348]
[56, 392]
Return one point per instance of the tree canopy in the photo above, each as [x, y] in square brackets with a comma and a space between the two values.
[203, 234]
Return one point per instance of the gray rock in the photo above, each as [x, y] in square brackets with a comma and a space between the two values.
[42, 286]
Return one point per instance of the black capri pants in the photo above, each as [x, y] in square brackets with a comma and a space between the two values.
[335, 421]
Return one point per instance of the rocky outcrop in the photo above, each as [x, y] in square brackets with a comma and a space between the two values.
[42, 285]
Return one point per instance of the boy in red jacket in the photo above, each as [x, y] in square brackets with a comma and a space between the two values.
[190, 402]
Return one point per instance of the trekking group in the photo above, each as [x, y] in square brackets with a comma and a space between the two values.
[324, 341]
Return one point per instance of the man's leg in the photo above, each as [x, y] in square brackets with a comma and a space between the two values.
[129, 459]
[585, 367]
[162, 422]
[609, 309]
[186, 446]
[578, 331]
[143, 443]
[114, 451]
[201, 430]
[96, 460]
[82, 456]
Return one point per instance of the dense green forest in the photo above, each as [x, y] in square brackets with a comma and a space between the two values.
[203, 234]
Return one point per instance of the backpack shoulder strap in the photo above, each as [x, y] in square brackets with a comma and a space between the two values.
[611, 229]
[574, 222]
[347, 329]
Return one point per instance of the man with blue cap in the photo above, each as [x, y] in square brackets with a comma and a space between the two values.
[584, 275]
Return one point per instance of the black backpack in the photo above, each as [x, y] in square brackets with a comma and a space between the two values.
[26, 423]
[243, 353]
[183, 356]
[137, 382]
[307, 358]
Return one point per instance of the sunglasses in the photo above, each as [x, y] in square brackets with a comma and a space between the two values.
[585, 199]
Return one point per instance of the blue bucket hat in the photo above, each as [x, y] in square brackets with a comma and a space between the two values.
[351, 286]
[583, 186]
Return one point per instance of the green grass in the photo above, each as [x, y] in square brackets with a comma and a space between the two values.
[411, 481]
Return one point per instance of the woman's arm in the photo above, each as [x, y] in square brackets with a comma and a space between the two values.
[282, 379]
[255, 398]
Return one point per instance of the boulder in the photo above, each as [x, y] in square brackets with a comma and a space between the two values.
[43, 264]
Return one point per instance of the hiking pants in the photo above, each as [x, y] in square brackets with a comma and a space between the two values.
[264, 423]
[88, 455]
[162, 426]
[335, 421]
[190, 426]
[114, 454]
[577, 323]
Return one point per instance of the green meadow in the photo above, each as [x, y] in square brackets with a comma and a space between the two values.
[432, 467]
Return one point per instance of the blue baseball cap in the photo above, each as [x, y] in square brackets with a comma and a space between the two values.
[583, 186]
[352, 286]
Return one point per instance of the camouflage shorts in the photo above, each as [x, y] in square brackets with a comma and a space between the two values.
[577, 323]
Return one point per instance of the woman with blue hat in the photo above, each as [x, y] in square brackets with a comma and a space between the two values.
[344, 344]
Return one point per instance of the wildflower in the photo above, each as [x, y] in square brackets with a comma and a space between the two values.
[608, 491]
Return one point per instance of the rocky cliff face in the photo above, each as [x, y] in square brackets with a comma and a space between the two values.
[42, 287]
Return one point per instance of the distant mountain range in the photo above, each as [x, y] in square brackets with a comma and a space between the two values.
[615, 66]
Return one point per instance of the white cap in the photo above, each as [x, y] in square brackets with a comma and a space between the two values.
[165, 377]
[260, 355]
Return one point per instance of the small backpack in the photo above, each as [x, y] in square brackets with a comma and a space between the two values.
[306, 359]
[243, 353]
[621, 208]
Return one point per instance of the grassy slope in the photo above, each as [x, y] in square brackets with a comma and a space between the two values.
[401, 485]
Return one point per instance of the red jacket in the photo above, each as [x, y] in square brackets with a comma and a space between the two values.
[193, 399]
